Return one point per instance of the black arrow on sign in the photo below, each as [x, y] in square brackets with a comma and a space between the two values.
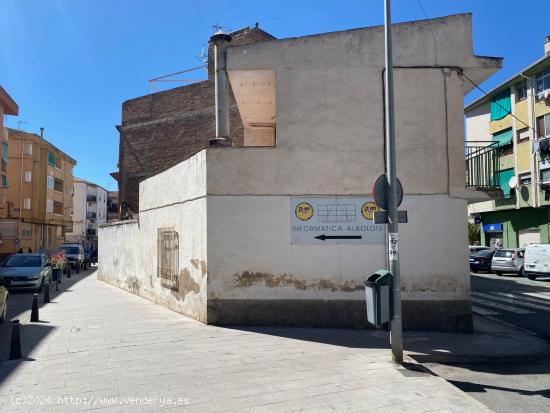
[324, 237]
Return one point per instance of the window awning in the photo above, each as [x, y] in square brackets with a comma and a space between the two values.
[504, 179]
[503, 137]
[501, 105]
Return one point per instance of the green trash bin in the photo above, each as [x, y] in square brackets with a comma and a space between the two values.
[378, 297]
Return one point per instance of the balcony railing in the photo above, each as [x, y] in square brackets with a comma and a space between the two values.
[482, 164]
[91, 215]
[91, 198]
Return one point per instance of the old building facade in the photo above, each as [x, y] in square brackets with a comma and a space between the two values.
[89, 211]
[39, 211]
[508, 135]
[7, 107]
[162, 129]
[280, 231]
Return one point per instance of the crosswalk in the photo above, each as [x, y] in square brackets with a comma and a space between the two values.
[498, 302]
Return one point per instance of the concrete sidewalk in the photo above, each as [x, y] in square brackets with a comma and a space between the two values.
[99, 347]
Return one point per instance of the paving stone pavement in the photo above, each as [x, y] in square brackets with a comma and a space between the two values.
[101, 348]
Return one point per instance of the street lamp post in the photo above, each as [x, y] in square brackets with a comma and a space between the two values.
[396, 334]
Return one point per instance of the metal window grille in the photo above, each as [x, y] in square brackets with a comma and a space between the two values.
[167, 258]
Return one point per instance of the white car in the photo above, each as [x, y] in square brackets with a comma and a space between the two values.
[537, 261]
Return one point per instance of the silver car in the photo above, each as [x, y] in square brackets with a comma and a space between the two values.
[508, 260]
[26, 271]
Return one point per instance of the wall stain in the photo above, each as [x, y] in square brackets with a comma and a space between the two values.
[186, 284]
[196, 263]
[133, 284]
[249, 278]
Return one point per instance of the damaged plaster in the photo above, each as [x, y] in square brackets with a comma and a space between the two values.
[248, 279]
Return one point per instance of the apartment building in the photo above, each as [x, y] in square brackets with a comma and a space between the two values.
[508, 157]
[39, 197]
[89, 211]
[7, 107]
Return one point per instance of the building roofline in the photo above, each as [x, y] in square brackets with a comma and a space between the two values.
[376, 27]
[76, 179]
[9, 105]
[507, 83]
[36, 136]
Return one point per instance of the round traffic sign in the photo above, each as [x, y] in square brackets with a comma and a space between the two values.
[380, 191]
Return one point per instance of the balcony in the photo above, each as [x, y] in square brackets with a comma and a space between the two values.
[91, 198]
[91, 215]
[483, 167]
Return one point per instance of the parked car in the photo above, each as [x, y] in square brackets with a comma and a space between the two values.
[75, 255]
[537, 261]
[26, 271]
[477, 248]
[508, 260]
[481, 260]
[3, 303]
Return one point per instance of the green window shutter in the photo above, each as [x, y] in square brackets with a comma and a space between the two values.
[501, 105]
[504, 177]
[5, 151]
[503, 137]
[4, 181]
[51, 159]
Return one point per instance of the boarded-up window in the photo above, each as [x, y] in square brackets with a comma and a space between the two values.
[167, 258]
[58, 207]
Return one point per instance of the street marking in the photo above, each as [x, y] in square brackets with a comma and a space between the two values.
[523, 297]
[483, 311]
[500, 306]
[544, 296]
[514, 301]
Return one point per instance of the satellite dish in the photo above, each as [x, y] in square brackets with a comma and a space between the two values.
[512, 183]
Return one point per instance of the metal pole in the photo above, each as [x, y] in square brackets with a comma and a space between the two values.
[396, 336]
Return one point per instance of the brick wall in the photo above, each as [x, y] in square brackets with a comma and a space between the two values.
[162, 129]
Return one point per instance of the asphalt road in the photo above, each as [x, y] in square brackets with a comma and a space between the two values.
[513, 388]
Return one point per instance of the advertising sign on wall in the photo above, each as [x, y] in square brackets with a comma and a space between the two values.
[334, 220]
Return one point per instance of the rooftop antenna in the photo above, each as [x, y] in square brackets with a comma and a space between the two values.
[21, 122]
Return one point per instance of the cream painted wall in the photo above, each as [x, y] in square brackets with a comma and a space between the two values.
[256, 240]
[477, 123]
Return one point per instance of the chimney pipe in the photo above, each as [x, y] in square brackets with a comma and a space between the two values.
[220, 41]
[42, 133]
[547, 45]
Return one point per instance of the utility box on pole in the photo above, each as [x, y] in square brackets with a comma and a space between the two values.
[378, 298]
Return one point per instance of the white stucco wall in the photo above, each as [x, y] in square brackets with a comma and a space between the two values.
[255, 241]
[128, 251]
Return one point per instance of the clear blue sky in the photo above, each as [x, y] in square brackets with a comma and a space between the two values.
[70, 64]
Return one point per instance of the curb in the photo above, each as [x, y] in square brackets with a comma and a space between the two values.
[488, 359]
[459, 392]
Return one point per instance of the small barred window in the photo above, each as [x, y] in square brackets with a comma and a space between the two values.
[167, 258]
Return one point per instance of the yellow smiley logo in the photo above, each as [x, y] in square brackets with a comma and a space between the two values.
[368, 209]
[303, 211]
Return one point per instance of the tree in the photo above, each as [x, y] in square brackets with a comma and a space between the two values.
[474, 232]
